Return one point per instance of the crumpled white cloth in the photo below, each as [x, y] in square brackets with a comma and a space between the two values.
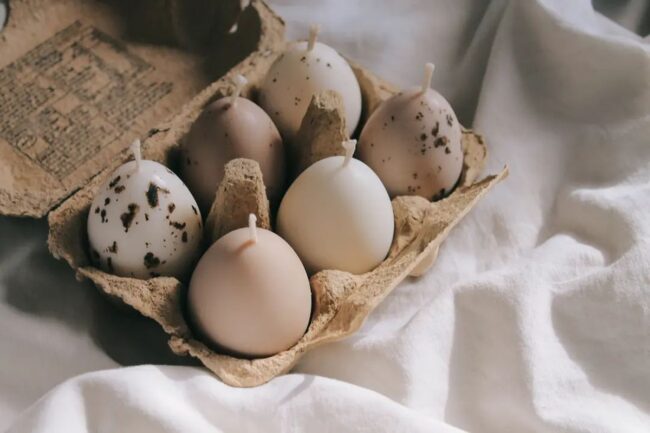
[536, 316]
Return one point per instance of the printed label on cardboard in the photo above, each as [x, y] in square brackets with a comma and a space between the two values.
[72, 95]
[75, 90]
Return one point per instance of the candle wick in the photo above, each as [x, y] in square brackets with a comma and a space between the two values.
[349, 146]
[243, 4]
[240, 81]
[314, 30]
[137, 153]
[428, 75]
[252, 227]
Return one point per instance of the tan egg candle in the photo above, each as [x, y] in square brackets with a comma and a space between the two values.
[413, 142]
[337, 215]
[144, 222]
[250, 294]
[229, 128]
[303, 70]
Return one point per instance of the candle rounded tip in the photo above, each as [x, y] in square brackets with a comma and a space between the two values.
[240, 80]
[314, 30]
[428, 75]
[136, 151]
[252, 227]
[349, 146]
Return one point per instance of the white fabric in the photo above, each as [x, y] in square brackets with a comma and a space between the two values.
[536, 317]
[3, 14]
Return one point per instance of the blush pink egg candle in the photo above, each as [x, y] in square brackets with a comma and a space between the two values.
[250, 293]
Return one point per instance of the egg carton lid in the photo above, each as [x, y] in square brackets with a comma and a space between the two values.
[81, 79]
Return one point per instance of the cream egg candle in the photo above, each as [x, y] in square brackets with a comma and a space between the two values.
[144, 222]
[413, 142]
[250, 294]
[337, 215]
[301, 71]
[232, 127]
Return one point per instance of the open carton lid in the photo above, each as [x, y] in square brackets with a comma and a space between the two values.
[81, 79]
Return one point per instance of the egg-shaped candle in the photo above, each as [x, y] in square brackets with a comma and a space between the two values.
[301, 71]
[337, 215]
[231, 127]
[249, 294]
[413, 142]
[144, 222]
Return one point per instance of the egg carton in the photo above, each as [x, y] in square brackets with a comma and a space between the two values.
[342, 301]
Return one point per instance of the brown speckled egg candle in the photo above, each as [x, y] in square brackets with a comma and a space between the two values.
[144, 222]
[413, 142]
[250, 294]
[230, 128]
[303, 70]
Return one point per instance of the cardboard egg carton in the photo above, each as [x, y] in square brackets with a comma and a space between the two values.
[73, 31]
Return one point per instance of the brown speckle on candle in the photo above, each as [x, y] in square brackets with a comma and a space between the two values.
[113, 248]
[119, 189]
[114, 182]
[128, 216]
[184, 237]
[177, 225]
[171, 207]
[440, 141]
[150, 260]
[450, 120]
[152, 194]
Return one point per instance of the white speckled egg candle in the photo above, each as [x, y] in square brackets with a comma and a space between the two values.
[144, 222]
[413, 142]
[337, 215]
[303, 70]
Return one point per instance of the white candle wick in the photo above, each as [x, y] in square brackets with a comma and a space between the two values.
[349, 146]
[137, 153]
[243, 4]
[240, 81]
[252, 227]
[314, 30]
[428, 75]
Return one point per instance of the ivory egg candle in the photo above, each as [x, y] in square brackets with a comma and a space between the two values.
[413, 142]
[250, 294]
[229, 128]
[301, 71]
[337, 215]
[144, 222]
